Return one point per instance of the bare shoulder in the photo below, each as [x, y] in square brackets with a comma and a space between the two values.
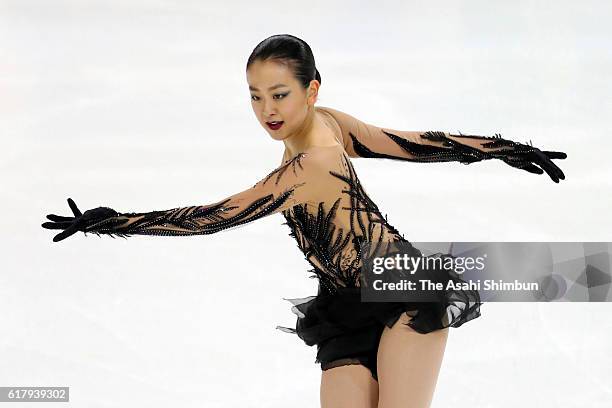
[326, 109]
[342, 120]
[336, 114]
[330, 114]
[336, 121]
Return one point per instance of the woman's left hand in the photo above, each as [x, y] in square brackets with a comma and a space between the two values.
[527, 160]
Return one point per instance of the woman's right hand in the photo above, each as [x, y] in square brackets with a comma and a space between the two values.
[79, 222]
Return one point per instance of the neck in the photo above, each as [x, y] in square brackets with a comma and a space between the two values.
[313, 132]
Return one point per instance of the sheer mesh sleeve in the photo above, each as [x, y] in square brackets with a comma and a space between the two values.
[364, 140]
[287, 185]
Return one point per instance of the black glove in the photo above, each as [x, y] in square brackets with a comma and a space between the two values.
[525, 157]
[80, 222]
[519, 155]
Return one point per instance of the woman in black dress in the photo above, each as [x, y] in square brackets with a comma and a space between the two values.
[371, 354]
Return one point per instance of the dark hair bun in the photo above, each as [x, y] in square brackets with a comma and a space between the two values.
[294, 50]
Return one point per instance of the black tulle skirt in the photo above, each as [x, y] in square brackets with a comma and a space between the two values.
[347, 330]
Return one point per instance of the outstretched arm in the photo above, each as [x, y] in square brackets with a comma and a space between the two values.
[364, 140]
[287, 185]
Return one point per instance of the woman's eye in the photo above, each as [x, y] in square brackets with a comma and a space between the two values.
[280, 96]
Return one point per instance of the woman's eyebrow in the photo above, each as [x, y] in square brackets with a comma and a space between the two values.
[252, 88]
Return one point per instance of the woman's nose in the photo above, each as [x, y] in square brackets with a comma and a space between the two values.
[268, 109]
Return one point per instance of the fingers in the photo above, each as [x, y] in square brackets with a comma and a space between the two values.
[67, 224]
[65, 234]
[71, 225]
[524, 165]
[559, 171]
[74, 208]
[56, 225]
[553, 171]
[551, 168]
[550, 171]
[532, 168]
[59, 218]
[555, 155]
[546, 165]
[553, 177]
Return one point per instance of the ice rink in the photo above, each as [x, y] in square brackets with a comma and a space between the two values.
[144, 105]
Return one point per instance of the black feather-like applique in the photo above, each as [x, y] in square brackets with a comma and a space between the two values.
[334, 252]
[197, 220]
[450, 150]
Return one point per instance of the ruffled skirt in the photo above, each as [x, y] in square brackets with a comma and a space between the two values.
[346, 329]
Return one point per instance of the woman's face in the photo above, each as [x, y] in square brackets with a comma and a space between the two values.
[277, 96]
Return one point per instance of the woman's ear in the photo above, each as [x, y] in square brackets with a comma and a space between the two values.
[313, 91]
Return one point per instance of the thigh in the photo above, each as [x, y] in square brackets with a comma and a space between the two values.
[408, 365]
[350, 386]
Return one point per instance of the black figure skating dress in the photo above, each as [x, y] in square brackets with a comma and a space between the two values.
[329, 215]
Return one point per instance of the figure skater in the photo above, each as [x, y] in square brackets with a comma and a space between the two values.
[372, 354]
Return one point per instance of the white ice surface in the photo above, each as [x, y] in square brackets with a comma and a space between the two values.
[143, 105]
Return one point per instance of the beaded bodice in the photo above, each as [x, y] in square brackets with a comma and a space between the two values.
[330, 232]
